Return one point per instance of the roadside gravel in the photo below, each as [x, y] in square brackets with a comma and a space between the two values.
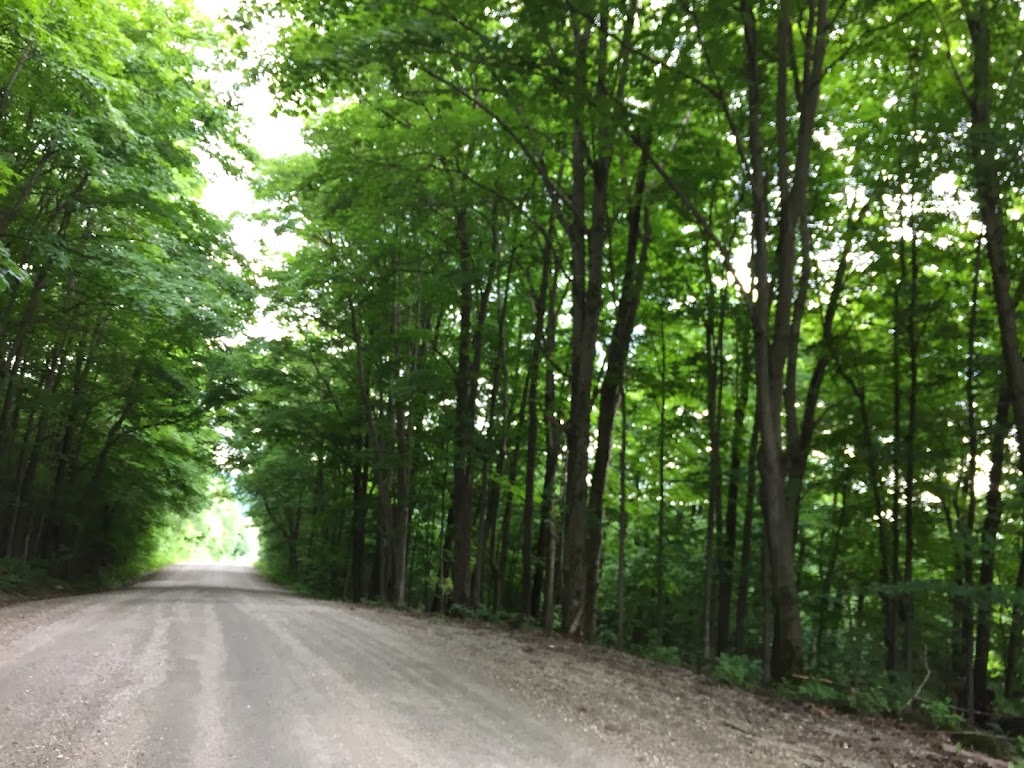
[667, 716]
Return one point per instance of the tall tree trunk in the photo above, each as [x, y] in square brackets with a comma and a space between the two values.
[403, 506]
[727, 553]
[549, 513]
[714, 327]
[360, 480]
[620, 587]
[590, 167]
[659, 547]
[988, 194]
[545, 577]
[743, 589]
[987, 568]
[541, 308]
[989, 191]
[612, 386]
[909, 500]
[963, 533]
[465, 428]
[1013, 643]
[16, 517]
[887, 568]
[499, 575]
[775, 307]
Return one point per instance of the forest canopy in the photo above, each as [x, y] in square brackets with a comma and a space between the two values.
[119, 288]
[686, 327]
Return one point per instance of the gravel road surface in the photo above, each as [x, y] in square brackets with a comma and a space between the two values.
[214, 667]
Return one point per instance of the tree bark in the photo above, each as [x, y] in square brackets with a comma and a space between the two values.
[541, 304]
[612, 386]
[727, 554]
[620, 586]
[775, 306]
[987, 567]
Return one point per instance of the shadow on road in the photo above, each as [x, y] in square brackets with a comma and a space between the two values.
[220, 583]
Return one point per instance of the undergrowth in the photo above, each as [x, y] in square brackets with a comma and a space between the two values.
[19, 576]
[44, 578]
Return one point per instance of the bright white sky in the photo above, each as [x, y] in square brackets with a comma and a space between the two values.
[272, 136]
[232, 197]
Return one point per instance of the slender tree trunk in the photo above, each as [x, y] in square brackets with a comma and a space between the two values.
[713, 348]
[620, 623]
[612, 387]
[743, 589]
[17, 504]
[529, 605]
[989, 193]
[829, 571]
[1013, 644]
[727, 554]
[545, 578]
[910, 501]
[591, 172]
[499, 577]
[963, 535]
[897, 602]
[26, 492]
[775, 306]
[403, 507]
[987, 568]
[466, 388]
[549, 514]
[359, 506]
[488, 513]
[465, 429]
[659, 551]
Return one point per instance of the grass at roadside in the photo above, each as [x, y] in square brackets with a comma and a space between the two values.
[37, 580]
[27, 580]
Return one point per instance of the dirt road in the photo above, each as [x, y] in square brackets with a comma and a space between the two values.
[212, 667]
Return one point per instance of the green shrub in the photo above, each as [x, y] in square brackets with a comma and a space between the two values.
[19, 574]
[663, 654]
[940, 713]
[741, 671]
[816, 690]
[874, 700]
[460, 611]
[513, 619]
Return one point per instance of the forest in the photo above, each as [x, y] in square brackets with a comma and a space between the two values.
[689, 328]
[117, 286]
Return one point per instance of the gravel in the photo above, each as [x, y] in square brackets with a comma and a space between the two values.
[214, 667]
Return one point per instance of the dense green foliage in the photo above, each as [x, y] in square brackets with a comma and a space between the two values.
[688, 327]
[118, 285]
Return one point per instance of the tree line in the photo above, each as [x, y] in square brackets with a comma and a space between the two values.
[118, 288]
[688, 327]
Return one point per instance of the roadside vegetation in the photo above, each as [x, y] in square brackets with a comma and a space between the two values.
[116, 288]
[218, 532]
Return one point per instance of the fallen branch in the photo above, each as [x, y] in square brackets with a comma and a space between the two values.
[928, 674]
